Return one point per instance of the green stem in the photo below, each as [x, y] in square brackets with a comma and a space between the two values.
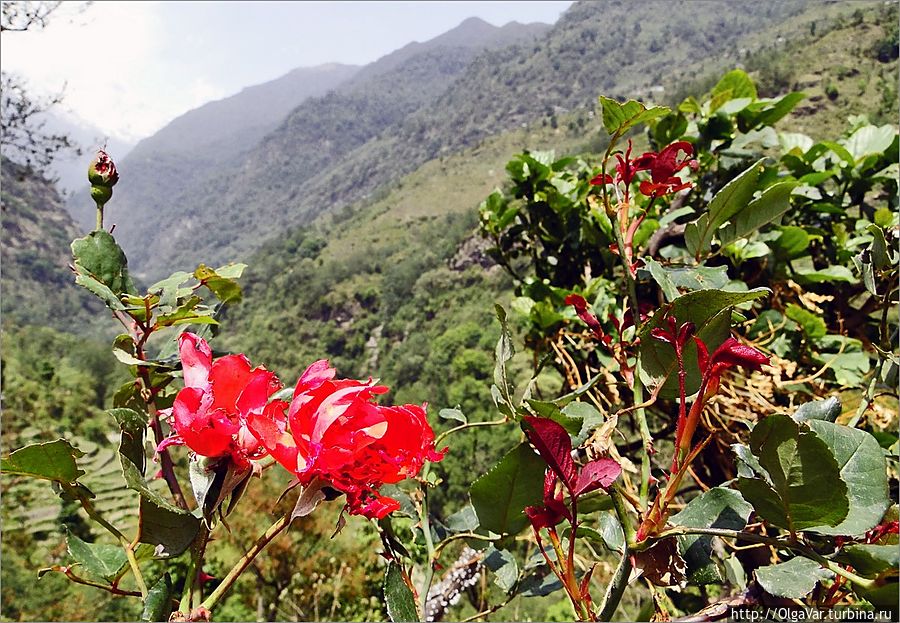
[616, 587]
[192, 577]
[622, 514]
[774, 542]
[92, 512]
[440, 438]
[274, 530]
[99, 216]
[135, 568]
[429, 544]
[462, 535]
[638, 387]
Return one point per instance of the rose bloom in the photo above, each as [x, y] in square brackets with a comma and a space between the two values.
[333, 430]
[210, 414]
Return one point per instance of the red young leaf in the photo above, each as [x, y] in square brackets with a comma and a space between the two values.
[553, 444]
[598, 474]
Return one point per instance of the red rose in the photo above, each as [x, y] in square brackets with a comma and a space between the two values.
[334, 431]
[210, 414]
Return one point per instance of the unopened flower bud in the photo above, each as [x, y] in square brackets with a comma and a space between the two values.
[102, 170]
[103, 176]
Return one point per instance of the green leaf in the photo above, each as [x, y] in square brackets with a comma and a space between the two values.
[617, 118]
[169, 289]
[226, 289]
[870, 139]
[832, 273]
[53, 460]
[767, 208]
[716, 508]
[813, 325]
[612, 533]
[463, 520]
[736, 84]
[863, 470]
[453, 414]
[503, 564]
[794, 579]
[870, 560]
[709, 310]
[135, 480]
[131, 444]
[731, 199]
[171, 531]
[792, 242]
[501, 495]
[97, 256]
[98, 289]
[502, 354]
[802, 488]
[158, 604]
[401, 605]
[774, 113]
[672, 280]
[828, 410]
[100, 560]
[189, 312]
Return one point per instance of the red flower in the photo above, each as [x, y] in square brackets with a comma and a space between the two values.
[663, 167]
[210, 414]
[332, 430]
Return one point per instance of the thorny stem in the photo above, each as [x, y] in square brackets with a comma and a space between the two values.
[167, 466]
[191, 579]
[274, 530]
[115, 590]
[616, 588]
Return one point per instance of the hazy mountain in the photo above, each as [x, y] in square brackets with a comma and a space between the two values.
[312, 139]
[211, 136]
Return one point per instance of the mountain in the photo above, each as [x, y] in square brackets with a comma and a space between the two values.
[211, 136]
[314, 138]
[38, 287]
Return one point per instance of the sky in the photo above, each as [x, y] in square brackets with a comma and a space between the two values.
[129, 68]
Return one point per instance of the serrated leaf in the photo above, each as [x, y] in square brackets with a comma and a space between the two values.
[617, 118]
[863, 469]
[158, 604]
[803, 488]
[611, 532]
[171, 531]
[100, 560]
[794, 579]
[53, 460]
[401, 605]
[226, 290]
[501, 495]
[716, 508]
